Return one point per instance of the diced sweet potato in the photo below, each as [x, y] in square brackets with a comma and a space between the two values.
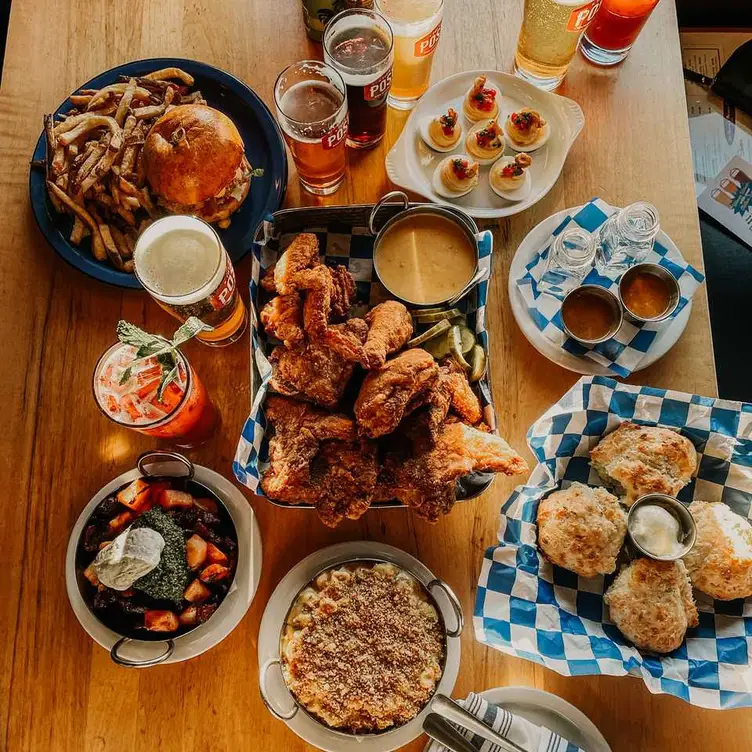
[91, 575]
[196, 592]
[195, 551]
[189, 617]
[135, 495]
[215, 555]
[214, 573]
[208, 505]
[171, 499]
[121, 521]
[161, 621]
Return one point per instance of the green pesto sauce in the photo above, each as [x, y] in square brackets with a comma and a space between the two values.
[169, 579]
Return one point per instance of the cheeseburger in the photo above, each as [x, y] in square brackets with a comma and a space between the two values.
[195, 163]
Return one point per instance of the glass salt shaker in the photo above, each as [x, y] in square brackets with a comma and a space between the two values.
[570, 258]
[626, 238]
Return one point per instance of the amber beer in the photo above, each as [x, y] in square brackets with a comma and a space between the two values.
[184, 266]
[548, 39]
[358, 44]
[311, 102]
[417, 28]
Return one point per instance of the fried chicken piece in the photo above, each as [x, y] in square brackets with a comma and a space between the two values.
[302, 253]
[314, 372]
[426, 481]
[347, 339]
[299, 429]
[317, 306]
[282, 318]
[452, 390]
[390, 393]
[390, 327]
[267, 280]
[345, 477]
[343, 291]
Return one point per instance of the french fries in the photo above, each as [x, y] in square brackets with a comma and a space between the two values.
[93, 165]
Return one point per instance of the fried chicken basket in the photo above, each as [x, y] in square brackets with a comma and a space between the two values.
[527, 607]
[344, 238]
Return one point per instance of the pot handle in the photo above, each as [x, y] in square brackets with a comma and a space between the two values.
[163, 454]
[454, 601]
[146, 662]
[386, 197]
[290, 714]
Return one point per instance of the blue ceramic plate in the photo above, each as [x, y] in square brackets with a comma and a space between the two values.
[264, 148]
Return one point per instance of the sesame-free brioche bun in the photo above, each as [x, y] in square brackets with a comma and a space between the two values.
[191, 154]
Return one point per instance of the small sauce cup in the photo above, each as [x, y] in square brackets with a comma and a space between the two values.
[648, 284]
[678, 511]
[591, 314]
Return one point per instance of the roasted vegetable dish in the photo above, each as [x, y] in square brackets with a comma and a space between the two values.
[167, 550]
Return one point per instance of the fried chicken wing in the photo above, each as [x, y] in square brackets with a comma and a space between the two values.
[345, 478]
[282, 318]
[426, 481]
[302, 253]
[299, 430]
[343, 291]
[347, 339]
[452, 391]
[267, 280]
[314, 372]
[390, 327]
[390, 393]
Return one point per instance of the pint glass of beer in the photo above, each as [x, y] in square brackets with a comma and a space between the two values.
[184, 266]
[417, 26]
[311, 103]
[548, 39]
[358, 44]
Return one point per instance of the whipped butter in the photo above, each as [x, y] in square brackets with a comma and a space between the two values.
[131, 555]
[656, 530]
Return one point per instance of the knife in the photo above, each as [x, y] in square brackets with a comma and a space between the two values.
[454, 712]
[444, 733]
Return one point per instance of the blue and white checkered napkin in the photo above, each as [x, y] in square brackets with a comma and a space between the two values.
[351, 247]
[527, 607]
[621, 354]
[513, 727]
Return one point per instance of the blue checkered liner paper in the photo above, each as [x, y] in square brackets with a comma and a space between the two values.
[529, 608]
[622, 353]
[352, 247]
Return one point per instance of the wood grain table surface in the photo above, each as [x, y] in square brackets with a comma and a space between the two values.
[58, 690]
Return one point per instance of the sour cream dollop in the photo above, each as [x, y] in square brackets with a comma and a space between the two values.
[656, 530]
[131, 555]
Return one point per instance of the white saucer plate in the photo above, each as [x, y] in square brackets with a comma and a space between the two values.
[410, 164]
[667, 336]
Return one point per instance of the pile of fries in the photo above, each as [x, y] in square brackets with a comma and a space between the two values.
[94, 162]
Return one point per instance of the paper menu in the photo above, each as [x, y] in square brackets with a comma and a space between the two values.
[728, 198]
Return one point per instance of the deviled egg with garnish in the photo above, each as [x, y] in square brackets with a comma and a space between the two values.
[510, 177]
[455, 176]
[442, 132]
[526, 130]
[485, 142]
[481, 101]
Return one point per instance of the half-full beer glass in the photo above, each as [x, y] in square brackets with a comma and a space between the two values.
[311, 103]
[417, 26]
[183, 265]
[548, 39]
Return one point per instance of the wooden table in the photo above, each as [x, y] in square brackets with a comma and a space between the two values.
[58, 690]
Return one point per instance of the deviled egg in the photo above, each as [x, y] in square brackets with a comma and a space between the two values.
[485, 142]
[443, 132]
[510, 177]
[455, 176]
[481, 102]
[526, 130]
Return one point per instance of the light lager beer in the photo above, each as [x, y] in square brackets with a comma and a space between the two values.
[548, 39]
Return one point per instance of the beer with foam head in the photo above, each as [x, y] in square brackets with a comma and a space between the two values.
[183, 265]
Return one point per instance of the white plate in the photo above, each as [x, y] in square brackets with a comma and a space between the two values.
[667, 336]
[405, 169]
[232, 609]
[268, 646]
[545, 709]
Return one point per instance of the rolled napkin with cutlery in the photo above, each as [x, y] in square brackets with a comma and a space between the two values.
[521, 732]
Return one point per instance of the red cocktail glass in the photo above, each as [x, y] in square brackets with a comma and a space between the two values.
[613, 31]
[185, 415]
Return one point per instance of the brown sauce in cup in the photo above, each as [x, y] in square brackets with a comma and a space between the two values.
[646, 295]
[588, 316]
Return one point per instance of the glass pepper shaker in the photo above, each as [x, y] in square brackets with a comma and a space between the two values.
[626, 238]
[570, 258]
